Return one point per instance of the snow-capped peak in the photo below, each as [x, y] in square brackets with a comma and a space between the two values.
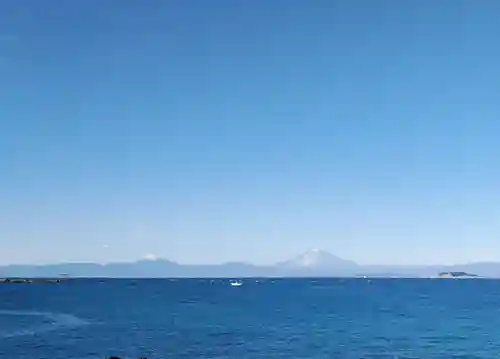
[150, 257]
[312, 258]
[316, 257]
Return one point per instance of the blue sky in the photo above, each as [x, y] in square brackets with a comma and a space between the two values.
[208, 131]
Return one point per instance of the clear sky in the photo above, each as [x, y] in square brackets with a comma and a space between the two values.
[207, 131]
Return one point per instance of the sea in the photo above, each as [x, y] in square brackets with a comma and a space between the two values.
[262, 319]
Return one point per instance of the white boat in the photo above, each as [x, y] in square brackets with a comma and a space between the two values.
[236, 284]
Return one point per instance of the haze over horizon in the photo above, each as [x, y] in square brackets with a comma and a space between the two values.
[213, 132]
[314, 258]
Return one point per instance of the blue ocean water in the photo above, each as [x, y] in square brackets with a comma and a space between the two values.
[264, 318]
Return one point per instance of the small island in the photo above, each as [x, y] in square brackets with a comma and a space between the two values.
[457, 275]
[29, 281]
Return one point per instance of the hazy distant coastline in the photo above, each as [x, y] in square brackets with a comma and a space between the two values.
[314, 263]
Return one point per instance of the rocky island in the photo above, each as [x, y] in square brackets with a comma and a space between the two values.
[457, 275]
[29, 281]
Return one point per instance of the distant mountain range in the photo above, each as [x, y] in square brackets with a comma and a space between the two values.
[313, 263]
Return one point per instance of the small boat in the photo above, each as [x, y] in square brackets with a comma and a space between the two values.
[236, 284]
